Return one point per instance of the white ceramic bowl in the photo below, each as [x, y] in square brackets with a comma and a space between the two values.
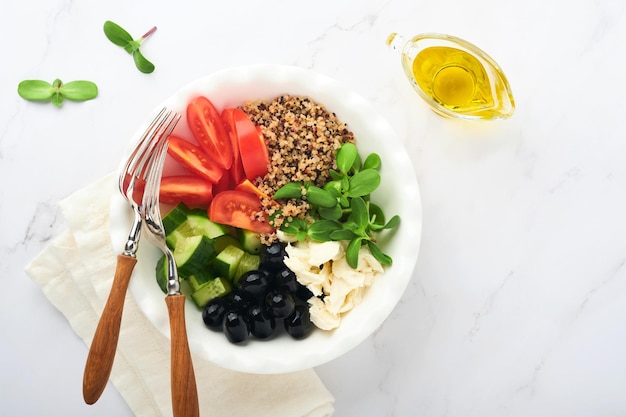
[397, 194]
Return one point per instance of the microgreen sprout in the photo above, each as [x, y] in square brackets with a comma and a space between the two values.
[120, 37]
[342, 209]
[57, 92]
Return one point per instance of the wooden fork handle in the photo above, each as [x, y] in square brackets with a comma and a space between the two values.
[104, 343]
[183, 379]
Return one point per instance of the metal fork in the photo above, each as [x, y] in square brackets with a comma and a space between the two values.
[131, 181]
[183, 382]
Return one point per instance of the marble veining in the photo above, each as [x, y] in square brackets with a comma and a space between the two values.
[517, 304]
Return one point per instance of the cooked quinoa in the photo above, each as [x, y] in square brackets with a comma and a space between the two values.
[302, 137]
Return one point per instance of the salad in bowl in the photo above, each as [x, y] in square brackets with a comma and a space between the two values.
[293, 213]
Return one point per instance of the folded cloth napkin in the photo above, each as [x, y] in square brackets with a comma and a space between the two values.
[75, 273]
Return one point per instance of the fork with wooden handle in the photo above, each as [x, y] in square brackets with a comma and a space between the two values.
[183, 382]
[131, 181]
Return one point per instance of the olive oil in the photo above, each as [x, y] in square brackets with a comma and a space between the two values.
[455, 77]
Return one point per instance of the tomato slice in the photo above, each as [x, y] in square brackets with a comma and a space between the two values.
[194, 159]
[238, 209]
[224, 184]
[248, 187]
[252, 147]
[236, 170]
[208, 129]
[188, 189]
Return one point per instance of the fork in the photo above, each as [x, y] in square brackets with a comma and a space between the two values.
[130, 182]
[183, 383]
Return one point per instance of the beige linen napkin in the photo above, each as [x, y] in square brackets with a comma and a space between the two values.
[75, 273]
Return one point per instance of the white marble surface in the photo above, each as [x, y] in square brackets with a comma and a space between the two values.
[517, 306]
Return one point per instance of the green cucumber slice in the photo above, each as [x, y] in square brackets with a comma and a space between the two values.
[217, 287]
[221, 242]
[192, 254]
[196, 223]
[248, 262]
[161, 273]
[251, 241]
[225, 263]
[175, 217]
[198, 280]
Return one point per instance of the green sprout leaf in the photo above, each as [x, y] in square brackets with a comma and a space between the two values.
[346, 157]
[289, 190]
[343, 234]
[377, 216]
[359, 214]
[337, 176]
[36, 90]
[321, 230]
[296, 227]
[372, 161]
[320, 197]
[56, 92]
[142, 63]
[120, 37]
[378, 254]
[352, 252]
[117, 34]
[393, 222]
[363, 183]
[330, 213]
[79, 90]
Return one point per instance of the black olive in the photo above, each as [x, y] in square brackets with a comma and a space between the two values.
[302, 293]
[239, 301]
[254, 284]
[273, 256]
[235, 327]
[262, 323]
[213, 313]
[286, 279]
[298, 325]
[280, 303]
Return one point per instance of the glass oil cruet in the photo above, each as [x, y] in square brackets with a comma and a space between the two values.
[454, 77]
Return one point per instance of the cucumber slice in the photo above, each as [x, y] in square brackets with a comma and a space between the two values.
[225, 263]
[185, 287]
[198, 280]
[172, 238]
[161, 273]
[192, 254]
[223, 241]
[175, 217]
[195, 281]
[217, 287]
[251, 241]
[248, 262]
[196, 223]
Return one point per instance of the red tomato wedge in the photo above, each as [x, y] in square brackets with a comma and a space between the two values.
[208, 129]
[238, 209]
[248, 187]
[236, 170]
[194, 159]
[252, 147]
[191, 190]
[225, 183]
